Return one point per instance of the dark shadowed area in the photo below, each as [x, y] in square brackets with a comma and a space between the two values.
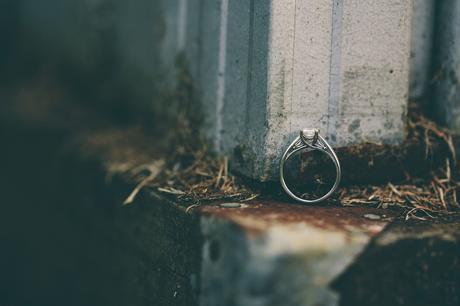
[68, 67]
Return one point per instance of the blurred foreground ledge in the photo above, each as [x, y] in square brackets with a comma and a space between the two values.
[250, 250]
[267, 251]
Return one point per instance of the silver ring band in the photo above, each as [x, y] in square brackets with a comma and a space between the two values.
[310, 140]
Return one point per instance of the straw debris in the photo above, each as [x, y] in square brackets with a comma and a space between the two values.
[201, 178]
[193, 176]
[420, 198]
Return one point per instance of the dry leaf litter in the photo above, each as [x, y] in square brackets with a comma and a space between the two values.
[194, 176]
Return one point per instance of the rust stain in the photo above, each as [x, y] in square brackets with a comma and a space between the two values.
[257, 216]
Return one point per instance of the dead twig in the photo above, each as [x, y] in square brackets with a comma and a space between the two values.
[154, 170]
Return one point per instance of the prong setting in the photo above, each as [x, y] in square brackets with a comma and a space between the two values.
[309, 136]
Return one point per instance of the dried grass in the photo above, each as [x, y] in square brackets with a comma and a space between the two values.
[194, 176]
[421, 199]
[204, 178]
[419, 124]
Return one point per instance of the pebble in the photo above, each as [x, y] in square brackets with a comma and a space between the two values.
[372, 217]
[230, 205]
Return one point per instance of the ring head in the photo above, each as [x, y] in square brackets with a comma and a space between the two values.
[309, 136]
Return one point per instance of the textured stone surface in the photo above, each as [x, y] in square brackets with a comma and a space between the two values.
[281, 66]
[416, 262]
[271, 253]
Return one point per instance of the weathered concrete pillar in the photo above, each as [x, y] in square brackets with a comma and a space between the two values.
[270, 68]
[262, 69]
[421, 47]
[447, 69]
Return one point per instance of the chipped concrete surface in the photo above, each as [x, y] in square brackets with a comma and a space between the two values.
[410, 263]
[256, 217]
[269, 253]
[447, 231]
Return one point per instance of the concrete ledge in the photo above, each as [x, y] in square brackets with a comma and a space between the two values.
[411, 263]
[267, 252]
[262, 252]
[271, 253]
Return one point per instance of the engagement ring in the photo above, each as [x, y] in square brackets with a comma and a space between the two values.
[309, 140]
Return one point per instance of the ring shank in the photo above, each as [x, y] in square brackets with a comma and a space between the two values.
[329, 151]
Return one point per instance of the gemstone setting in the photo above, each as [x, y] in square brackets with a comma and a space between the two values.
[309, 136]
